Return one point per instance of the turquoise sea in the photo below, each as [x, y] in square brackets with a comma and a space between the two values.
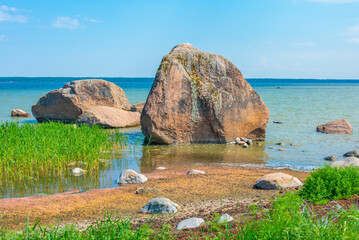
[300, 104]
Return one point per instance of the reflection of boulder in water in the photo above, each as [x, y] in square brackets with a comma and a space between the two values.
[160, 155]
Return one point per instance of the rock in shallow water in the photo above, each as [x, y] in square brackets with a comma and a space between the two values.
[160, 205]
[277, 181]
[354, 153]
[129, 176]
[190, 223]
[19, 113]
[90, 101]
[330, 158]
[77, 171]
[200, 97]
[340, 126]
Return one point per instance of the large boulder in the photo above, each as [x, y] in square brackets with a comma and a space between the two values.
[129, 176]
[90, 101]
[200, 97]
[279, 180]
[340, 126]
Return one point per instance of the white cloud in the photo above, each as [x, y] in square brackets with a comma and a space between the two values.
[66, 22]
[9, 14]
[3, 38]
[352, 40]
[353, 30]
[334, 1]
[91, 20]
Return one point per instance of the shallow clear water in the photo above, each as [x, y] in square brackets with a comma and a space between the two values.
[300, 105]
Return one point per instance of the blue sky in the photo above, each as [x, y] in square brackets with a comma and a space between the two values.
[114, 38]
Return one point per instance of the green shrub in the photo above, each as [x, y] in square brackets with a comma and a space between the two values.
[329, 183]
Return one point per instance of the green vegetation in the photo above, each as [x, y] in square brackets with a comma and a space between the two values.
[330, 183]
[290, 218]
[28, 151]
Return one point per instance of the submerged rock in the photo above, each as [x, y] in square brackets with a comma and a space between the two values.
[196, 172]
[354, 153]
[90, 101]
[350, 161]
[190, 223]
[331, 158]
[225, 218]
[200, 97]
[160, 205]
[129, 176]
[341, 126]
[19, 113]
[277, 181]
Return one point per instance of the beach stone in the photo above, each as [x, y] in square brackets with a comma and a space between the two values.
[89, 101]
[331, 158]
[137, 107]
[77, 171]
[276, 122]
[225, 218]
[146, 191]
[160, 205]
[340, 126]
[239, 141]
[161, 168]
[200, 97]
[190, 223]
[129, 176]
[277, 181]
[282, 149]
[354, 153]
[280, 144]
[19, 113]
[249, 142]
[245, 145]
[196, 172]
[349, 161]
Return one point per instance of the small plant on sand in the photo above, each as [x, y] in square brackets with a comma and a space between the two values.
[331, 183]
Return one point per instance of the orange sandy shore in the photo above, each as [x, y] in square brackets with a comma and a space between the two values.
[223, 189]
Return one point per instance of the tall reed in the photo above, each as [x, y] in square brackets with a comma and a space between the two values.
[30, 151]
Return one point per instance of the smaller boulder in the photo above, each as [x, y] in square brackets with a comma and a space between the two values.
[350, 161]
[196, 172]
[129, 176]
[354, 153]
[137, 107]
[190, 223]
[341, 126]
[279, 180]
[19, 113]
[239, 141]
[245, 145]
[160, 205]
[225, 218]
[77, 171]
[331, 158]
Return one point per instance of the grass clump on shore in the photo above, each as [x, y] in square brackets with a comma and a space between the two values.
[331, 183]
[28, 151]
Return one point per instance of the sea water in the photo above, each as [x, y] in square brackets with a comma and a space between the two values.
[300, 104]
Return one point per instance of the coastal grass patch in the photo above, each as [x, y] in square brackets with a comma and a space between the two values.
[331, 183]
[29, 151]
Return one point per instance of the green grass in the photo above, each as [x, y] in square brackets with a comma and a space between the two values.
[329, 183]
[30, 151]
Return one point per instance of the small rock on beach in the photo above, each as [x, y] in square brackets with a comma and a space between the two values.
[161, 168]
[225, 218]
[160, 205]
[331, 158]
[196, 172]
[279, 180]
[190, 223]
[130, 176]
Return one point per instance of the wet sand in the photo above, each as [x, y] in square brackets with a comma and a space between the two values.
[224, 189]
